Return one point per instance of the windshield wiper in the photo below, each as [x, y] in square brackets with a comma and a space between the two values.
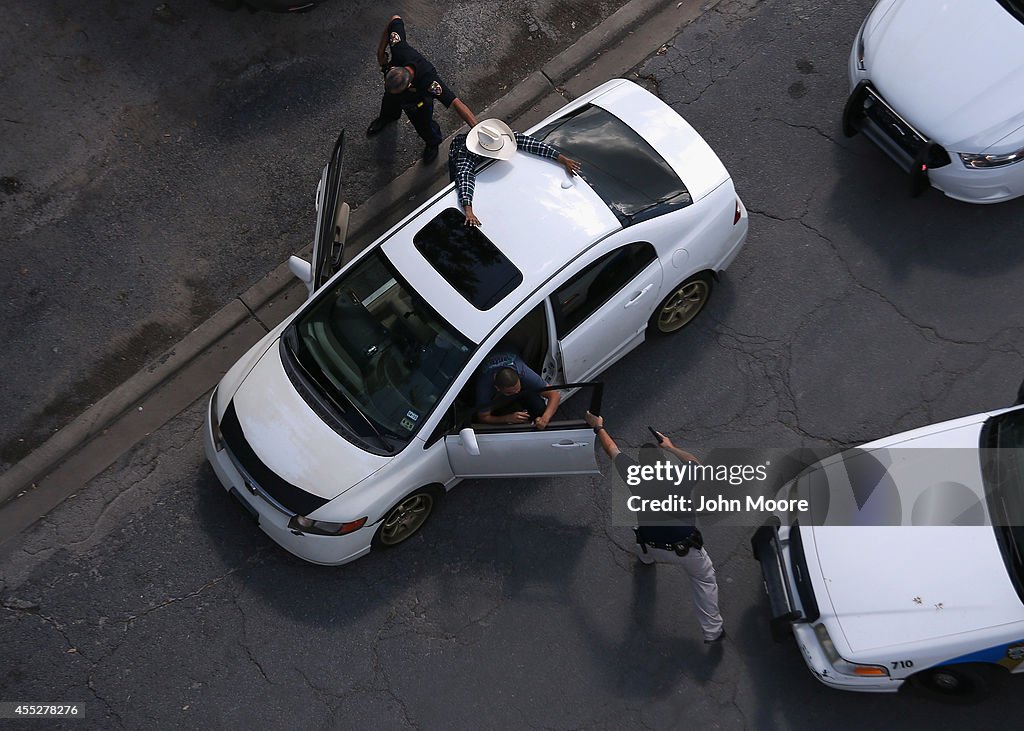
[291, 342]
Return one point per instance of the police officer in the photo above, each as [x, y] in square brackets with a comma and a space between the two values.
[673, 541]
[411, 84]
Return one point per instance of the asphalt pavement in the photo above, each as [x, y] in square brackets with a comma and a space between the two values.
[56, 468]
[852, 313]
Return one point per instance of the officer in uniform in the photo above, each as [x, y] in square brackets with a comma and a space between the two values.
[411, 84]
[675, 540]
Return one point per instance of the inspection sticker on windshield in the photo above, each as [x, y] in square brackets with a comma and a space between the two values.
[409, 422]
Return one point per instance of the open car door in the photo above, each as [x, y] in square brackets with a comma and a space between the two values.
[566, 447]
[332, 218]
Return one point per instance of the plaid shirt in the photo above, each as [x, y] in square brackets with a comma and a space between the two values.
[462, 163]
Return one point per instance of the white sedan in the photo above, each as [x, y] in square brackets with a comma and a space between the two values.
[340, 430]
[940, 88]
[909, 566]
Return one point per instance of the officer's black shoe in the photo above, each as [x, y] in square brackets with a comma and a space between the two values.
[376, 126]
[429, 154]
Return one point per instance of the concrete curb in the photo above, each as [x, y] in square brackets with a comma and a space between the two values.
[648, 23]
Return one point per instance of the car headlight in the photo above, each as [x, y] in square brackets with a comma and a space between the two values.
[844, 667]
[301, 524]
[981, 160]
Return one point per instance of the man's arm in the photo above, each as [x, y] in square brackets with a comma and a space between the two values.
[603, 437]
[518, 417]
[543, 149]
[465, 182]
[463, 111]
[381, 58]
[554, 398]
[667, 445]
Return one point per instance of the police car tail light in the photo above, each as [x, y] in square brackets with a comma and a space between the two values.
[841, 665]
[738, 214]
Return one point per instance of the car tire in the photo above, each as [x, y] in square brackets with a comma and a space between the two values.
[406, 517]
[959, 683]
[682, 305]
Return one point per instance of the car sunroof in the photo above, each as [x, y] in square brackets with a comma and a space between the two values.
[467, 259]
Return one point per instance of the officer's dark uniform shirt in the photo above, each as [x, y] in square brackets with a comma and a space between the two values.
[659, 526]
[426, 84]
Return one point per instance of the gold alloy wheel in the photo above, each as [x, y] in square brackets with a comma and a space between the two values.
[406, 518]
[683, 305]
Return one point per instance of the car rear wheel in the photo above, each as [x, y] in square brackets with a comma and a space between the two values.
[961, 683]
[682, 305]
[405, 519]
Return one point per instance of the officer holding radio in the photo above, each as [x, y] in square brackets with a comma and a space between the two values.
[676, 540]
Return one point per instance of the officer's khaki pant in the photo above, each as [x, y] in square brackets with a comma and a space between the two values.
[703, 584]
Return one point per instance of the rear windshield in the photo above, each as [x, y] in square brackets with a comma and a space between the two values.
[632, 179]
[467, 259]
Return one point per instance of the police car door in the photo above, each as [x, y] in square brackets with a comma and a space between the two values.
[332, 217]
[565, 447]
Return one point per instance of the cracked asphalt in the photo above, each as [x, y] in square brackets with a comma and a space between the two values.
[854, 312]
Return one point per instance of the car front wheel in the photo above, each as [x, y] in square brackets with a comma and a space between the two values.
[682, 305]
[961, 683]
[406, 518]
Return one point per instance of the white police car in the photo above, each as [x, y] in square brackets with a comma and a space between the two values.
[910, 565]
[940, 88]
[342, 427]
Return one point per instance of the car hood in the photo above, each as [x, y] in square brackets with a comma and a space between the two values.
[906, 554]
[953, 70]
[291, 440]
[894, 585]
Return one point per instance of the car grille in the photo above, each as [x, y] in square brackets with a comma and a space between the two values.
[867, 111]
[260, 479]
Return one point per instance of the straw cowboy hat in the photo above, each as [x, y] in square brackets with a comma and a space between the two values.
[492, 138]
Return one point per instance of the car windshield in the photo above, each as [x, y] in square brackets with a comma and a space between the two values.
[375, 355]
[1003, 471]
[632, 179]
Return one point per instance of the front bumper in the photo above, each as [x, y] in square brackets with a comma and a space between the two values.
[272, 520]
[771, 547]
[896, 139]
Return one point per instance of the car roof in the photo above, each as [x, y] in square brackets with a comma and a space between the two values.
[538, 217]
[528, 215]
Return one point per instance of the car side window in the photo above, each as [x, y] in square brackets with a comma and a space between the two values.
[578, 298]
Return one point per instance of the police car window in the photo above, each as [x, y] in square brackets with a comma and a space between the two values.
[578, 298]
[632, 179]
[467, 259]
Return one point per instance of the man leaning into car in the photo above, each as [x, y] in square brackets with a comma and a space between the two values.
[411, 84]
[509, 392]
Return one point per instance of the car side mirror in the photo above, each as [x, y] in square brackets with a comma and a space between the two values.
[303, 271]
[468, 437]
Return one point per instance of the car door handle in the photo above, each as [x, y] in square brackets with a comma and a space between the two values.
[569, 445]
[638, 295]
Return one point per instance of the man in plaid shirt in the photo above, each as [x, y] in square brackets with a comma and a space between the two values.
[492, 139]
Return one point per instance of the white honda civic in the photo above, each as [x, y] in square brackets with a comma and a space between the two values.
[340, 430]
[940, 88]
